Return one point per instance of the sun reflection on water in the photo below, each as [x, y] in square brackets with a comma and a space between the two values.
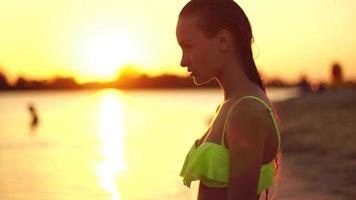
[111, 135]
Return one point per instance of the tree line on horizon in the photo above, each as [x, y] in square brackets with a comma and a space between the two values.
[128, 78]
[141, 81]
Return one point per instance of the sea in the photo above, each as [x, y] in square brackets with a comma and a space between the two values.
[107, 144]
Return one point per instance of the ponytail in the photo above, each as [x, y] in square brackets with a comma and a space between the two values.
[250, 68]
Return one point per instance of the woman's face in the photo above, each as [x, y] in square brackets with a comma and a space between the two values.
[200, 54]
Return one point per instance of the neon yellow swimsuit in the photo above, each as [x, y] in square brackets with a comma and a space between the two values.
[209, 162]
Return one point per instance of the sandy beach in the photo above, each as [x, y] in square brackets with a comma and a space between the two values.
[319, 152]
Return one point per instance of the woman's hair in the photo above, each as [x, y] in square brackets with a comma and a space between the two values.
[215, 15]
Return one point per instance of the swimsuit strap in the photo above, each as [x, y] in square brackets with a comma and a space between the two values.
[270, 112]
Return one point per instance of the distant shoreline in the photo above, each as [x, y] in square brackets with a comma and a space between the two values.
[124, 88]
[138, 81]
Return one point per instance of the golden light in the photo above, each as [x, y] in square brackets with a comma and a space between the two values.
[111, 135]
[102, 54]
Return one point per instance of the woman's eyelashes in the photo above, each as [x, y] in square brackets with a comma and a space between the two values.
[186, 46]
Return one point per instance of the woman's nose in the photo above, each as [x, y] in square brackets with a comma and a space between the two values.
[185, 61]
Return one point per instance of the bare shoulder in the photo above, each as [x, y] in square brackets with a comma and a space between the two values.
[249, 118]
[249, 110]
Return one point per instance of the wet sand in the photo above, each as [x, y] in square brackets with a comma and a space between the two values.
[319, 151]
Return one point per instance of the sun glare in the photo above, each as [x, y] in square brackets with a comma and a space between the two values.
[102, 55]
[112, 137]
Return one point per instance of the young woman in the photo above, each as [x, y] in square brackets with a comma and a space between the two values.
[236, 157]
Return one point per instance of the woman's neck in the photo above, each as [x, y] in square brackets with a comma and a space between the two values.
[234, 82]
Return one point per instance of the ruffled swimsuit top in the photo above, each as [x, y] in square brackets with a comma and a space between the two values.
[209, 162]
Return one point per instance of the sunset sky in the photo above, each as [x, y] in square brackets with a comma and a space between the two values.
[91, 39]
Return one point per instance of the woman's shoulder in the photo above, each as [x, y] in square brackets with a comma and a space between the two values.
[252, 106]
[250, 113]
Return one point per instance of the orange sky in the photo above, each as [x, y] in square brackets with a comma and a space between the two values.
[92, 39]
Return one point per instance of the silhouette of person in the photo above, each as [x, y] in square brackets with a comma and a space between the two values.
[243, 137]
[304, 85]
[336, 76]
[34, 116]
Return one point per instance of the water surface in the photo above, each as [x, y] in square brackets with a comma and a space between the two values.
[102, 144]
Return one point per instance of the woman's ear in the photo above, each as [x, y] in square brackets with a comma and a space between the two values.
[224, 39]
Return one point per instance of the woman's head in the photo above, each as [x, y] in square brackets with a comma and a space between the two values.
[208, 28]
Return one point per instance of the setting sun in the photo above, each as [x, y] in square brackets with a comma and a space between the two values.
[104, 53]
[91, 40]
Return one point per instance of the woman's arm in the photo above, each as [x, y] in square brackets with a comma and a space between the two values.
[246, 130]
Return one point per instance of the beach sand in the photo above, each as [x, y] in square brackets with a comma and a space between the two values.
[318, 145]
